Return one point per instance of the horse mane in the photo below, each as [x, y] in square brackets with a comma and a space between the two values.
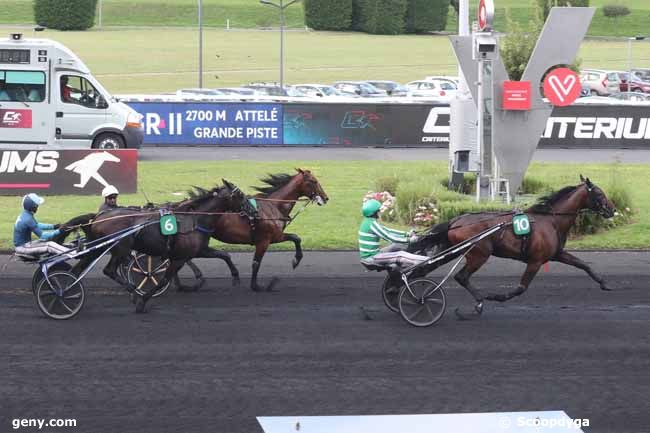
[198, 195]
[547, 201]
[274, 182]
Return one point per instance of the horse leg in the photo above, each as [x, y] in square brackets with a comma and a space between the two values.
[474, 260]
[296, 241]
[211, 253]
[571, 260]
[529, 274]
[110, 270]
[260, 249]
[198, 275]
[141, 300]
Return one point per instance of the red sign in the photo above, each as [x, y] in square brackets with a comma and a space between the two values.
[516, 95]
[562, 87]
[78, 172]
[15, 118]
[485, 14]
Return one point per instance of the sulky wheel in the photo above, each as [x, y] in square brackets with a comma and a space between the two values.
[390, 291]
[145, 272]
[38, 274]
[422, 305]
[62, 299]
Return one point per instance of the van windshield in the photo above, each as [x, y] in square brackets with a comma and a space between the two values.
[78, 90]
[22, 86]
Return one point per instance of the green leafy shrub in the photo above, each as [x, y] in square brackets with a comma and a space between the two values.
[531, 185]
[615, 10]
[65, 15]
[546, 5]
[426, 15]
[410, 198]
[384, 17]
[328, 14]
[449, 210]
[387, 183]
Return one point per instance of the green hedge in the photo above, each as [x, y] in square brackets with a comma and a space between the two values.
[328, 14]
[426, 15]
[65, 15]
[384, 17]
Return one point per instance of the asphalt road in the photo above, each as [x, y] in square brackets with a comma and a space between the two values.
[344, 154]
[324, 344]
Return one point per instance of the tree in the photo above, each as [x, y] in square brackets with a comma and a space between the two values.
[328, 14]
[426, 15]
[65, 15]
[384, 17]
[519, 44]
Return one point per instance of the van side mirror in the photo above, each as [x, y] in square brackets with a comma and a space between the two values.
[319, 94]
[358, 92]
[101, 103]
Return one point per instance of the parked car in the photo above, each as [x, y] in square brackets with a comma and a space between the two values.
[641, 74]
[317, 90]
[430, 89]
[443, 77]
[392, 88]
[359, 88]
[237, 91]
[198, 93]
[601, 83]
[273, 89]
[631, 96]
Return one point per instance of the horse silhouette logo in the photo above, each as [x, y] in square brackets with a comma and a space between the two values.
[89, 166]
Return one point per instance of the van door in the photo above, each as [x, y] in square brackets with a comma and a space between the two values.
[24, 112]
[81, 110]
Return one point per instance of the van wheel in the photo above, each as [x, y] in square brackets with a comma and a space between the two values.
[108, 141]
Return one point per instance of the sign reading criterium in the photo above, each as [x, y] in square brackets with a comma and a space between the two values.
[562, 87]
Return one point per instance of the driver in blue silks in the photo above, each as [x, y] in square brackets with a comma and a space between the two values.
[26, 224]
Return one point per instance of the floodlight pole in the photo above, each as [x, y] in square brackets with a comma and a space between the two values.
[629, 60]
[200, 44]
[282, 6]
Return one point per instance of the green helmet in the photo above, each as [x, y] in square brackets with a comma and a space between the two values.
[370, 208]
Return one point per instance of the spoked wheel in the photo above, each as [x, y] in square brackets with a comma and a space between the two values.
[422, 305]
[145, 272]
[38, 274]
[63, 299]
[390, 292]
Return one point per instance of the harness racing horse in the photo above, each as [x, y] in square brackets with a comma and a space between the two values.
[207, 206]
[551, 219]
[275, 203]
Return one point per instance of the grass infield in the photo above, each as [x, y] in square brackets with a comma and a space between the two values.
[334, 226]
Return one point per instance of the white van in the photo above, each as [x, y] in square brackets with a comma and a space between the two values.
[49, 97]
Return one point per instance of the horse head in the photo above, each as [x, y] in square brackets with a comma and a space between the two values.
[310, 187]
[597, 201]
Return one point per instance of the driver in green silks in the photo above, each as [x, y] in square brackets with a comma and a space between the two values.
[370, 234]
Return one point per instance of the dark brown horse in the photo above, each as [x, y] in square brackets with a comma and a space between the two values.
[205, 208]
[551, 219]
[275, 203]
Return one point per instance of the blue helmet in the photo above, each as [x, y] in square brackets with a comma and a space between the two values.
[32, 201]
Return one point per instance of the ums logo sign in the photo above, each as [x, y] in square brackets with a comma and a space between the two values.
[33, 162]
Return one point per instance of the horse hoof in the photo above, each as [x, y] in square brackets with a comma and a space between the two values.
[479, 308]
[605, 288]
[273, 282]
[236, 282]
[140, 305]
[295, 262]
[256, 288]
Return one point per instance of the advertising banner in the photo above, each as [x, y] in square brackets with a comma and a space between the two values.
[78, 172]
[211, 123]
[366, 125]
[617, 126]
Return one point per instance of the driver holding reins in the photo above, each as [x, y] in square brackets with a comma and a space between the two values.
[109, 194]
[371, 232]
[26, 224]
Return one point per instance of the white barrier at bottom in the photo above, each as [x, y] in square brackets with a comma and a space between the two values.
[498, 422]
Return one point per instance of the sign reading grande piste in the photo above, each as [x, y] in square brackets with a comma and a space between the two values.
[211, 123]
[78, 172]
[562, 87]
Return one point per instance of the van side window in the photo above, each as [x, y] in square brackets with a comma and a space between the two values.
[77, 90]
[22, 86]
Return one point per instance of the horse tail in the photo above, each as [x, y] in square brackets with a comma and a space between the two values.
[81, 221]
